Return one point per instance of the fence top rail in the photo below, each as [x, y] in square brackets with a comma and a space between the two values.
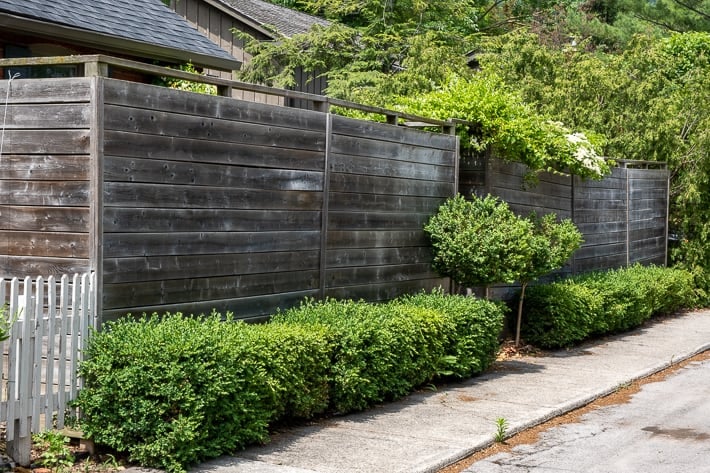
[641, 164]
[98, 64]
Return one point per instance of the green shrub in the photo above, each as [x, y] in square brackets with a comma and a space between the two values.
[380, 351]
[174, 390]
[559, 314]
[473, 328]
[563, 313]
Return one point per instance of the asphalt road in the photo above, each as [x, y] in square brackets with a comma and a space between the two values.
[665, 428]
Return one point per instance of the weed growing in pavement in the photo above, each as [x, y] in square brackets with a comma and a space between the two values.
[501, 429]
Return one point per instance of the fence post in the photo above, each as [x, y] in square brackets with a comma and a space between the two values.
[20, 447]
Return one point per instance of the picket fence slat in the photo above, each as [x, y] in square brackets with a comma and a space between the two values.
[38, 373]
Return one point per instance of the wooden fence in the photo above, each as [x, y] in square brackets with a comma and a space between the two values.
[51, 319]
[623, 217]
[188, 202]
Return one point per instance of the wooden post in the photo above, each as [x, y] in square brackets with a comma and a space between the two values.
[20, 448]
[224, 90]
[321, 105]
[96, 68]
[324, 208]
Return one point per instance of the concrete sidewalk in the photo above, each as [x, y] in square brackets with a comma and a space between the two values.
[429, 430]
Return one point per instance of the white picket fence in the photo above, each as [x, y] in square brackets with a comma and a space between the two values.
[38, 372]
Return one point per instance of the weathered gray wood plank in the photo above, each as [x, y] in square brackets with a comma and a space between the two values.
[45, 193]
[596, 251]
[45, 167]
[155, 122]
[382, 292]
[390, 168]
[153, 293]
[599, 263]
[45, 219]
[12, 266]
[356, 276]
[47, 91]
[46, 142]
[199, 174]
[45, 244]
[544, 202]
[134, 95]
[138, 269]
[383, 132]
[377, 256]
[376, 220]
[121, 245]
[120, 194]
[353, 146]
[128, 144]
[383, 185]
[256, 308]
[592, 239]
[48, 116]
[376, 239]
[117, 219]
[344, 201]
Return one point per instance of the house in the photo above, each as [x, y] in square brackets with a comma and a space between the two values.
[218, 19]
[143, 30]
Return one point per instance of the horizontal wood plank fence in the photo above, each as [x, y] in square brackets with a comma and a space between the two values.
[187, 202]
[623, 217]
[51, 319]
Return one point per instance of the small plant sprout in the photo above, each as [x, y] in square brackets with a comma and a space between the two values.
[56, 454]
[501, 429]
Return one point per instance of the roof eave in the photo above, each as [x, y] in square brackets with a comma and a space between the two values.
[246, 19]
[115, 44]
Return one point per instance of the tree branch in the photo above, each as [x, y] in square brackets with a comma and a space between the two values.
[693, 9]
[490, 9]
[657, 23]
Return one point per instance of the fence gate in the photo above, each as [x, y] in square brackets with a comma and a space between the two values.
[50, 320]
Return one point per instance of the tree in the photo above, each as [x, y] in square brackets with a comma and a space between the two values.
[652, 102]
[551, 245]
[679, 16]
[479, 242]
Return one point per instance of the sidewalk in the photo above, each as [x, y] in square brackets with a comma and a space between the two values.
[431, 429]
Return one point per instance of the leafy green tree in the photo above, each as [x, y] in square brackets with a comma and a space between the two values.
[652, 102]
[678, 16]
[552, 244]
[479, 242]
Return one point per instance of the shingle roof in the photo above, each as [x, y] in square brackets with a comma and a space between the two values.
[287, 22]
[145, 21]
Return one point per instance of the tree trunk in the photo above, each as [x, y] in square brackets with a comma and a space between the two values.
[520, 313]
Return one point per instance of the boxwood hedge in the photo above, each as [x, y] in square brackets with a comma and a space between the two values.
[173, 390]
[566, 312]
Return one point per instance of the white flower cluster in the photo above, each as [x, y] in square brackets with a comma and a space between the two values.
[584, 153]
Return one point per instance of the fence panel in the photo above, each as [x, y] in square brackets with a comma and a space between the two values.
[50, 323]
